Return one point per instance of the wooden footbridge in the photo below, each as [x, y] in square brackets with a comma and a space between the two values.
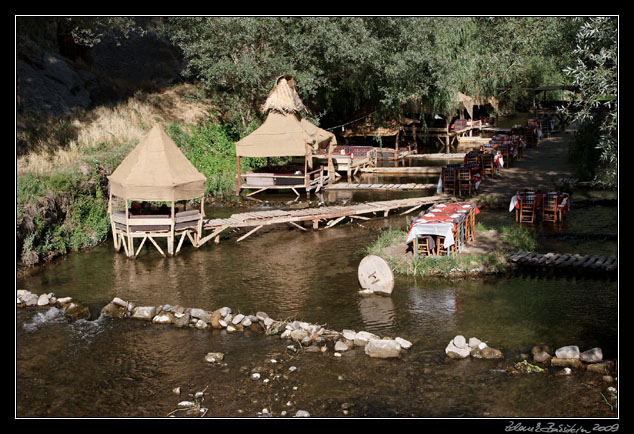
[380, 187]
[329, 216]
[566, 261]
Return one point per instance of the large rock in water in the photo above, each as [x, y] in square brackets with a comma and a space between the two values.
[114, 310]
[568, 352]
[458, 348]
[76, 312]
[484, 351]
[594, 355]
[361, 339]
[383, 348]
[144, 312]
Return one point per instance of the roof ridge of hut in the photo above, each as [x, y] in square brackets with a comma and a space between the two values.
[283, 97]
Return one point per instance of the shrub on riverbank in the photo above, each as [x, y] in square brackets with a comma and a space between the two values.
[62, 191]
[59, 212]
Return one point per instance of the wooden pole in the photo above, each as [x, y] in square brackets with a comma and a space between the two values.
[238, 177]
[170, 239]
[306, 175]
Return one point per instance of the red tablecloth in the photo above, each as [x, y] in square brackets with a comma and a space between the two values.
[442, 219]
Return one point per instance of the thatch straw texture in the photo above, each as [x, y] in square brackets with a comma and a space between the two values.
[283, 97]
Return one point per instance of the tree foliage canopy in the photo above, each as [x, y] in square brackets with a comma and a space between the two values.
[344, 65]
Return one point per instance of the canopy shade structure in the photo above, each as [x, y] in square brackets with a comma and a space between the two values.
[156, 170]
[369, 127]
[284, 134]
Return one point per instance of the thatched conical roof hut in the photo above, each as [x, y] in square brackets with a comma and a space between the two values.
[284, 132]
[283, 97]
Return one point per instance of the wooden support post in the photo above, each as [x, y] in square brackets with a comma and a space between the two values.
[125, 245]
[306, 175]
[156, 245]
[170, 239]
[238, 177]
[315, 224]
[297, 226]
[411, 209]
[140, 246]
[256, 192]
[180, 242]
[216, 234]
[331, 223]
[249, 233]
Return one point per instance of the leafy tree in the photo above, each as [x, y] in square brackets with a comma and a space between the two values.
[595, 73]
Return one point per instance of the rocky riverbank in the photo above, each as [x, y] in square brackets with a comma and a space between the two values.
[302, 336]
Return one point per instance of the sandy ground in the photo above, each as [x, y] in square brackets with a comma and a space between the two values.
[540, 169]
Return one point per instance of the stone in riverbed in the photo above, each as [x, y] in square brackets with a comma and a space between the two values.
[298, 335]
[458, 348]
[361, 339]
[119, 302]
[182, 321]
[569, 362]
[214, 357]
[567, 352]
[144, 312]
[76, 312]
[61, 302]
[43, 300]
[31, 299]
[383, 348]
[215, 318]
[341, 346]
[349, 334]
[486, 352]
[163, 318]
[404, 343]
[604, 367]
[460, 341]
[114, 310]
[200, 314]
[594, 355]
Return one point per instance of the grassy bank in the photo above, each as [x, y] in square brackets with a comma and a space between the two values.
[390, 245]
[62, 188]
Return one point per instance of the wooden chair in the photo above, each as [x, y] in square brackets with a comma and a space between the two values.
[464, 180]
[528, 208]
[422, 246]
[469, 224]
[472, 159]
[441, 250]
[549, 208]
[488, 166]
[450, 181]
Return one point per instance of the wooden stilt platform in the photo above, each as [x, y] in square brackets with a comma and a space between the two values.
[566, 261]
[415, 170]
[380, 187]
[328, 215]
[439, 156]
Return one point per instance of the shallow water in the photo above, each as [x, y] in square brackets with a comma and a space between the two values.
[127, 368]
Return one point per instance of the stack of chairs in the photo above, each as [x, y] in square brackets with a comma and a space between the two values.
[450, 180]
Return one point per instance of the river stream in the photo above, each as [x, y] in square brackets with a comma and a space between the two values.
[127, 368]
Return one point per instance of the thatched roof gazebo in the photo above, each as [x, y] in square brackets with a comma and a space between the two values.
[155, 171]
[284, 133]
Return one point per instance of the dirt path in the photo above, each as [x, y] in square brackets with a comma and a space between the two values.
[540, 169]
